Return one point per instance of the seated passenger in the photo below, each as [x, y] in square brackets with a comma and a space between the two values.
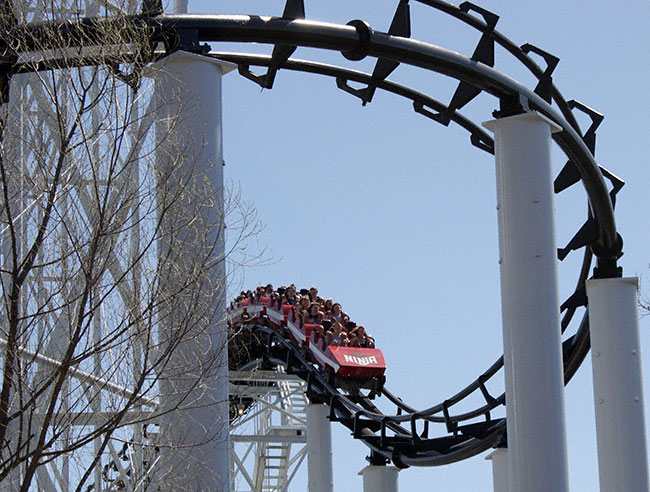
[291, 295]
[313, 314]
[281, 296]
[325, 340]
[313, 293]
[331, 340]
[260, 293]
[364, 339]
[275, 299]
[337, 313]
[336, 323]
[302, 307]
[304, 302]
[336, 334]
[327, 306]
[318, 334]
[354, 341]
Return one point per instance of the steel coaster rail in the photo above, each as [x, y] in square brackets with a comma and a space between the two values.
[475, 75]
[479, 138]
[174, 29]
[403, 447]
[572, 361]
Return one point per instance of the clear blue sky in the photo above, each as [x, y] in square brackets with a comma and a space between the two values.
[394, 216]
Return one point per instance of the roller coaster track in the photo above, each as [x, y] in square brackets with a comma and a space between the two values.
[356, 41]
[404, 437]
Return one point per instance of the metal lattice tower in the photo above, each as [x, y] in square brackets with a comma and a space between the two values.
[268, 439]
[94, 387]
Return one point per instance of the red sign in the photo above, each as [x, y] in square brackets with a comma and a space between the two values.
[358, 362]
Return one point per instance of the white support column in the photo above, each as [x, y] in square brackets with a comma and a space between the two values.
[499, 459]
[194, 383]
[380, 478]
[319, 449]
[530, 304]
[618, 390]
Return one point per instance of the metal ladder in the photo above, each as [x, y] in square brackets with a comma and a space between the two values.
[277, 455]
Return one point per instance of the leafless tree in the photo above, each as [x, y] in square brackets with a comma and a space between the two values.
[93, 259]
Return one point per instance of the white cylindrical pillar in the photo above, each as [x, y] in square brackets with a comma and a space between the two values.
[530, 304]
[618, 389]
[380, 478]
[319, 449]
[499, 459]
[194, 430]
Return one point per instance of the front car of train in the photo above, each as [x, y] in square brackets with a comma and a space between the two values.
[349, 368]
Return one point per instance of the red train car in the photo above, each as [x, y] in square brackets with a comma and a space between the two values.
[352, 366]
